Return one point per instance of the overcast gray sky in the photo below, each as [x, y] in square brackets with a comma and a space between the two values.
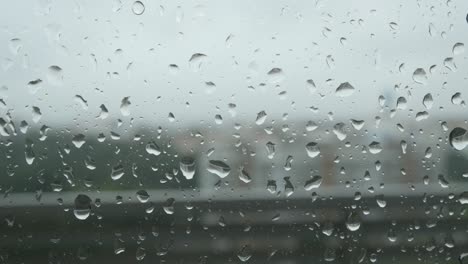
[92, 40]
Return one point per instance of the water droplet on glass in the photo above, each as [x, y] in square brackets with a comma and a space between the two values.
[245, 253]
[271, 149]
[55, 75]
[142, 196]
[353, 223]
[36, 114]
[219, 168]
[187, 167]
[244, 176]
[276, 75]
[419, 76]
[457, 99]
[78, 140]
[261, 117]
[375, 147]
[458, 138]
[312, 149]
[138, 8]
[458, 48]
[196, 61]
[339, 130]
[450, 64]
[153, 149]
[168, 206]
[311, 86]
[357, 124]
[125, 106]
[117, 172]
[428, 101]
[82, 208]
[345, 89]
[313, 183]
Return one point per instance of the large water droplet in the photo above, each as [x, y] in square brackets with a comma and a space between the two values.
[117, 172]
[313, 183]
[55, 75]
[345, 89]
[271, 149]
[153, 149]
[138, 8]
[458, 138]
[219, 168]
[419, 76]
[261, 117]
[353, 222]
[276, 75]
[82, 208]
[187, 167]
[375, 147]
[142, 196]
[78, 140]
[458, 48]
[125, 106]
[312, 149]
[245, 253]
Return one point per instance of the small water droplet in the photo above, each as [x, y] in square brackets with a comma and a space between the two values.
[271, 149]
[78, 140]
[276, 75]
[375, 147]
[428, 101]
[55, 75]
[117, 172]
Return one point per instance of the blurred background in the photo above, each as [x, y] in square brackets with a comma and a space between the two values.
[230, 132]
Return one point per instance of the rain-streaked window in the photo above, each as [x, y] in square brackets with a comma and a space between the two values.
[217, 131]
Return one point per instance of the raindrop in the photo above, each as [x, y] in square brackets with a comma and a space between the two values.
[142, 196]
[311, 86]
[55, 75]
[138, 8]
[244, 176]
[261, 117]
[457, 99]
[353, 223]
[357, 124]
[428, 101]
[117, 172]
[312, 149]
[245, 253]
[79, 99]
[36, 114]
[375, 147]
[82, 208]
[458, 48]
[78, 140]
[271, 186]
[313, 183]
[271, 149]
[187, 167]
[219, 168]
[153, 149]
[450, 64]
[169, 206]
[345, 89]
[276, 75]
[458, 138]
[419, 76]
[196, 61]
[125, 106]
[339, 130]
